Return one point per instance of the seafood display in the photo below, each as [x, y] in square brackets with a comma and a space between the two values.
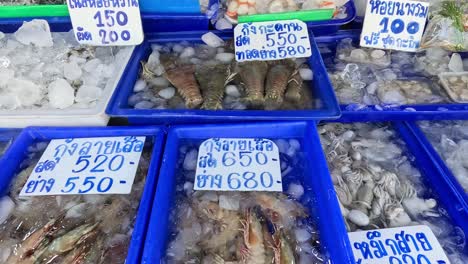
[243, 227]
[363, 76]
[202, 76]
[44, 70]
[67, 228]
[378, 187]
[231, 9]
[450, 139]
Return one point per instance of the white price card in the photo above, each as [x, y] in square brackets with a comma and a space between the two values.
[410, 244]
[273, 40]
[238, 164]
[394, 24]
[106, 22]
[104, 165]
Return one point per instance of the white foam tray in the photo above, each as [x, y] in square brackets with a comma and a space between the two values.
[68, 117]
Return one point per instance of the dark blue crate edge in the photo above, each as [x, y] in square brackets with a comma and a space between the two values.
[18, 151]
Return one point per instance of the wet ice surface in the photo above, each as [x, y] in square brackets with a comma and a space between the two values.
[362, 76]
[205, 76]
[44, 70]
[378, 187]
[207, 225]
[65, 228]
[450, 139]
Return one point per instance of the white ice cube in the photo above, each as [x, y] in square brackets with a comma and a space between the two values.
[87, 94]
[26, 92]
[225, 57]
[456, 63]
[167, 93]
[306, 74]
[35, 32]
[223, 24]
[71, 71]
[140, 85]
[61, 94]
[190, 161]
[212, 40]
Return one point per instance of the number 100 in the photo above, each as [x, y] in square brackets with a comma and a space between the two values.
[398, 26]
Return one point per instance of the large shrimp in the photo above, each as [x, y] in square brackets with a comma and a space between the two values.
[253, 251]
[28, 247]
[183, 79]
[276, 83]
[253, 74]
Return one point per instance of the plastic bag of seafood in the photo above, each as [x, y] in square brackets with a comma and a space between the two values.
[302, 224]
[47, 78]
[193, 77]
[447, 142]
[448, 26]
[87, 228]
[390, 85]
[382, 182]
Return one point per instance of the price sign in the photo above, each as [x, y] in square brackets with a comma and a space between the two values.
[86, 166]
[411, 244]
[106, 22]
[272, 40]
[238, 164]
[394, 24]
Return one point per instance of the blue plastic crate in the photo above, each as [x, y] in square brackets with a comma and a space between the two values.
[118, 107]
[326, 27]
[432, 154]
[438, 111]
[18, 152]
[317, 182]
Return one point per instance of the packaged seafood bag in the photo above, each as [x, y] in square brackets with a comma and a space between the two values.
[448, 26]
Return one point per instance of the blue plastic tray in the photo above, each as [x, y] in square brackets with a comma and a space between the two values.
[326, 209]
[18, 152]
[326, 27]
[430, 151]
[402, 112]
[118, 107]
